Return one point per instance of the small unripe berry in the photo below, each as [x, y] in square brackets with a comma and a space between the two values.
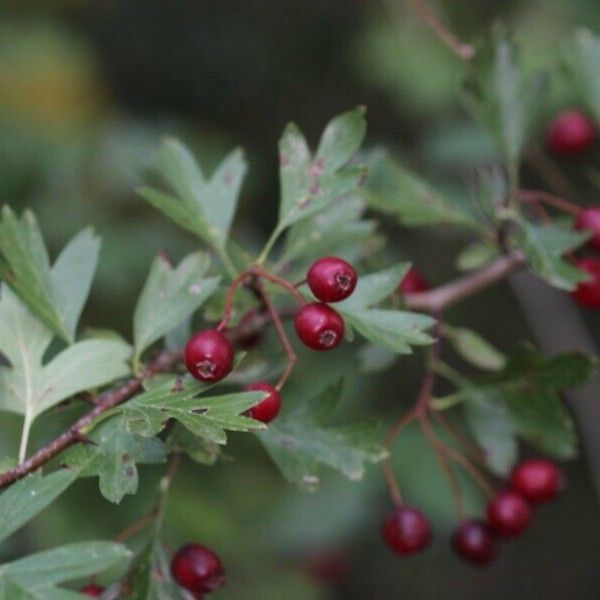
[538, 480]
[93, 590]
[589, 220]
[319, 326]
[268, 409]
[474, 541]
[209, 355]
[571, 133]
[509, 514]
[413, 282]
[331, 279]
[197, 569]
[407, 530]
[587, 293]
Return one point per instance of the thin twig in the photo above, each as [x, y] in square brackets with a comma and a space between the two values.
[470, 447]
[558, 202]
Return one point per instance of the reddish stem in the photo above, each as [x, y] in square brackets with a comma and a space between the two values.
[539, 196]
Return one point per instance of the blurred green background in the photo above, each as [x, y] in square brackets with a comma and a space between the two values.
[87, 90]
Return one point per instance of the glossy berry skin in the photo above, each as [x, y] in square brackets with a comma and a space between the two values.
[407, 530]
[413, 282]
[587, 293]
[537, 480]
[268, 409]
[589, 220]
[474, 541]
[93, 590]
[509, 514]
[209, 355]
[197, 569]
[331, 279]
[571, 133]
[319, 326]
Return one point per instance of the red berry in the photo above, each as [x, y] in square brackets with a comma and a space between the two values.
[587, 293]
[331, 279]
[474, 541]
[538, 480]
[319, 326]
[197, 569]
[571, 133]
[209, 355]
[92, 590]
[268, 409]
[328, 567]
[413, 282]
[407, 530]
[509, 513]
[589, 220]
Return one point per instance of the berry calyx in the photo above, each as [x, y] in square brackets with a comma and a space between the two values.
[197, 569]
[538, 480]
[509, 514]
[571, 133]
[587, 293]
[407, 530]
[589, 220]
[93, 590]
[331, 279]
[268, 409]
[474, 541]
[413, 282]
[319, 326]
[209, 355]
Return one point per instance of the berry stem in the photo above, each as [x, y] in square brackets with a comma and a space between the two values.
[228, 310]
[280, 282]
[441, 30]
[540, 197]
[470, 447]
[285, 342]
[136, 527]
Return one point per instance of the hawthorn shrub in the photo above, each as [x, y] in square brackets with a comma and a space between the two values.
[324, 278]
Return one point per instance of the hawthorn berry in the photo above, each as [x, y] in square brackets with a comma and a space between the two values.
[509, 513]
[197, 569]
[268, 409]
[571, 133]
[407, 530]
[413, 282]
[538, 480]
[589, 220]
[331, 279]
[474, 541]
[319, 326]
[328, 567]
[587, 293]
[93, 590]
[209, 355]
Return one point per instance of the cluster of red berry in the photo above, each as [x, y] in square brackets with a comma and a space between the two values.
[571, 134]
[194, 567]
[209, 354]
[407, 530]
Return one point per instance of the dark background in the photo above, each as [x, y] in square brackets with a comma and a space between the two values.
[87, 89]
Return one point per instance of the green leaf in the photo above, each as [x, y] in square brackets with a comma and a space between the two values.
[37, 575]
[503, 98]
[197, 448]
[393, 190]
[56, 296]
[373, 288]
[545, 245]
[494, 430]
[529, 389]
[112, 456]
[476, 256]
[177, 398]
[305, 440]
[27, 497]
[170, 296]
[308, 185]
[152, 580]
[29, 387]
[338, 229]
[203, 206]
[582, 57]
[393, 329]
[474, 349]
